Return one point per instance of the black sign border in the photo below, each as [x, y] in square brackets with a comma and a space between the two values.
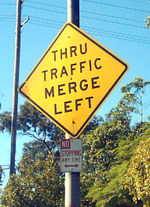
[101, 102]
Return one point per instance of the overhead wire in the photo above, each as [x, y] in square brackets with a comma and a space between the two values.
[95, 31]
[95, 16]
[114, 22]
[137, 1]
[46, 4]
[119, 33]
[8, 4]
[45, 24]
[98, 19]
[45, 20]
[99, 14]
[112, 16]
[107, 4]
[117, 6]
[87, 12]
[91, 1]
[44, 9]
[119, 37]
[9, 18]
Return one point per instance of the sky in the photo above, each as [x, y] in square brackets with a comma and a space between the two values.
[117, 24]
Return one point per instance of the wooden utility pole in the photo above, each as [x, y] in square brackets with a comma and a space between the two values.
[72, 179]
[15, 92]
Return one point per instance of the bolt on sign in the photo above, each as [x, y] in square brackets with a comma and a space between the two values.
[71, 155]
[72, 79]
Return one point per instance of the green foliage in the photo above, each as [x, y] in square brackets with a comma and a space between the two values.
[5, 121]
[108, 149]
[93, 124]
[137, 179]
[38, 183]
[31, 122]
[138, 86]
[133, 96]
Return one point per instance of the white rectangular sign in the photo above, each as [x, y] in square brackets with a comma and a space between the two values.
[71, 155]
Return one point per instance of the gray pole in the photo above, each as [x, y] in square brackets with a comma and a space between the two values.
[15, 93]
[73, 12]
[72, 188]
[72, 180]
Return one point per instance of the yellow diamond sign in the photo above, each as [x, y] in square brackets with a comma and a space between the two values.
[72, 79]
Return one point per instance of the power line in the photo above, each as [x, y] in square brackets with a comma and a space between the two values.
[111, 16]
[87, 12]
[45, 9]
[117, 6]
[59, 23]
[8, 18]
[64, 8]
[115, 22]
[5, 18]
[46, 4]
[110, 21]
[121, 18]
[137, 1]
[45, 19]
[119, 37]
[87, 17]
[7, 15]
[105, 33]
[44, 24]
[8, 4]
[91, 1]
[118, 33]
[98, 19]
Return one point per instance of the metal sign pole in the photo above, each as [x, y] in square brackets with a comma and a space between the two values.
[73, 12]
[72, 180]
[72, 187]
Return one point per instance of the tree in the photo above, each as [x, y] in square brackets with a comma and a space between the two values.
[133, 96]
[108, 149]
[137, 178]
[34, 124]
[105, 180]
[107, 152]
[38, 182]
[5, 121]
